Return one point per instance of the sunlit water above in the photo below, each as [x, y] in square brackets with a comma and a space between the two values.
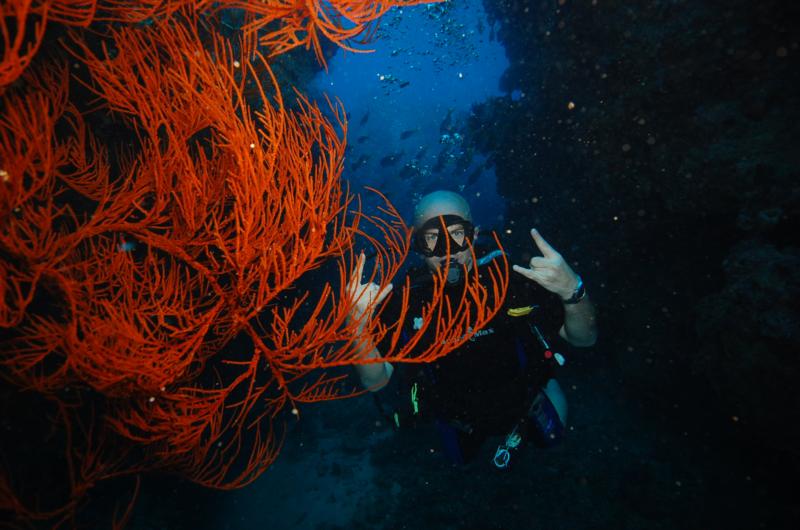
[408, 101]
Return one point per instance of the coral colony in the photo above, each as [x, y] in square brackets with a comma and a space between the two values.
[149, 287]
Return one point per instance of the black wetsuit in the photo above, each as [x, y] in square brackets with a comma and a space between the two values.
[484, 387]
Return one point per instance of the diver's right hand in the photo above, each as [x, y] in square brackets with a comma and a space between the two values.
[363, 297]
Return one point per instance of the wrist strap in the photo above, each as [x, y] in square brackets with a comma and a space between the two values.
[578, 294]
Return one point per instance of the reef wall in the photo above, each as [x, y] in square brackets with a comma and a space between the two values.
[653, 142]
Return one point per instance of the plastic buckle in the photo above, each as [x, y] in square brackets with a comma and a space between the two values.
[502, 457]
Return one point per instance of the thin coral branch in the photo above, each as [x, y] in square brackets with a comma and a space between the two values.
[193, 303]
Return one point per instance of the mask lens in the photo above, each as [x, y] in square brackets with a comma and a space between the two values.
[429, 241]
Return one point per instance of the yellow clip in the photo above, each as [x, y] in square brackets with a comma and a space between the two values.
[520, 311]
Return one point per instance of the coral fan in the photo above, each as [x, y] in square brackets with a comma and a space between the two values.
[151, 294]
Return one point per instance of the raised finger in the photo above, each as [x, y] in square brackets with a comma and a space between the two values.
[531, 274]
[359, 270]
[545, 248]
[355, 277]
[528, 273]
[384, 293]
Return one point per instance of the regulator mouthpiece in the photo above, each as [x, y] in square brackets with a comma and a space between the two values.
[454, 272]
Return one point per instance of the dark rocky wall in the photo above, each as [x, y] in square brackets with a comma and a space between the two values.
[651, 139]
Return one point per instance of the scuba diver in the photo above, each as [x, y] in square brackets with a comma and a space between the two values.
[501, 382]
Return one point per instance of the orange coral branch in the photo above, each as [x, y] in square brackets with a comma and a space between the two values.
[206, 232]
[19, 47]
[281, 25]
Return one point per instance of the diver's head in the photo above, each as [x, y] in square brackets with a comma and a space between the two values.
[433, 212]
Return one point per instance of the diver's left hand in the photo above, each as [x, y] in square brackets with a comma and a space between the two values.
[363, 297]
[550, 270]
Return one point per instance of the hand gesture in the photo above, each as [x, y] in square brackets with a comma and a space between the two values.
[549, 270]
[364, 296]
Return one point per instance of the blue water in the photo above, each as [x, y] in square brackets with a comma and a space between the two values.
[428, 62]
[662, 186]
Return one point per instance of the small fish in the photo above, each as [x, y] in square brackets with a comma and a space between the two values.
[362, 139]
[408, 171]
[390, 160]
[364, 118]
[404, 84]
[408, 134]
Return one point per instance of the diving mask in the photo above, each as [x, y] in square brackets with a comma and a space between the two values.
[431, 244]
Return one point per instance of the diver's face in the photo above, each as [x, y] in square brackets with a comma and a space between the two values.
[457, 232]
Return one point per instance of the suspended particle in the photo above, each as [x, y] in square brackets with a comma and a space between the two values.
[236, 64]
[570, 105]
